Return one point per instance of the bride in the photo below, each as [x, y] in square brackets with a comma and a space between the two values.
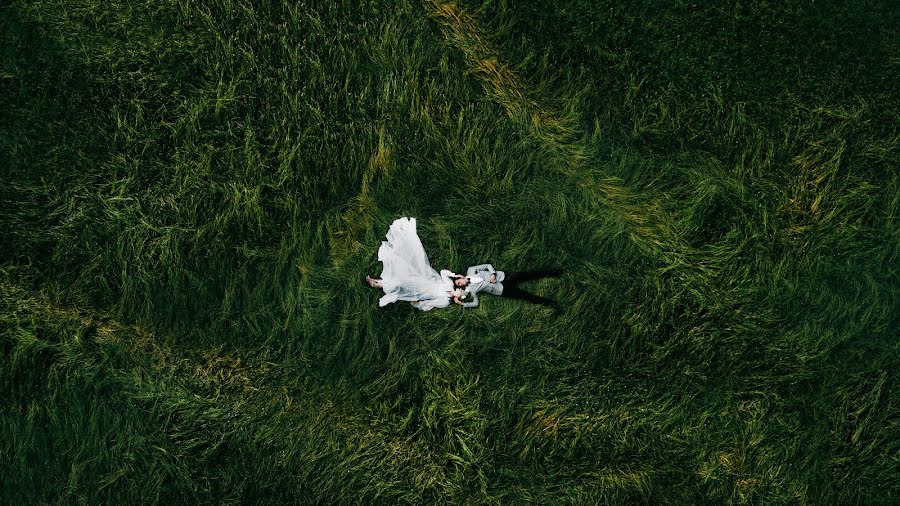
[407, 274]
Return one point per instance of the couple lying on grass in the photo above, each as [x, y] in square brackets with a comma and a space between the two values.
[407, 275]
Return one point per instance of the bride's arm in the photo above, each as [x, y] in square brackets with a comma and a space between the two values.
[447, 276]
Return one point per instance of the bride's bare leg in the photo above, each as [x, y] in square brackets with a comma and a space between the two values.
[373, 282]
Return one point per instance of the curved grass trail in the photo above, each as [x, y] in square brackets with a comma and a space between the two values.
[558, 133]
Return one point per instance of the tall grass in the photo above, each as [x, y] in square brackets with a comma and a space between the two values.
[194, 190]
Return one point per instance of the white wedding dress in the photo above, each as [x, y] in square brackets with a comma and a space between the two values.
[407, 274]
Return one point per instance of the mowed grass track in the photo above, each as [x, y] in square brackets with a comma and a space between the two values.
[193, 191]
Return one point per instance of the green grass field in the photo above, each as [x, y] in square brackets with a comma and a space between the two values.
[193, 190]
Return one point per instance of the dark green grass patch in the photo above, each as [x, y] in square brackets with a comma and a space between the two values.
[193, 192]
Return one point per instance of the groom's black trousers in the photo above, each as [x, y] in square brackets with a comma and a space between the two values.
[511, 285]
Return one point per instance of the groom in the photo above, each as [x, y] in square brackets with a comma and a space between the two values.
[485, 278]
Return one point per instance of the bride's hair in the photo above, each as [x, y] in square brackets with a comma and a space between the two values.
[460, 276]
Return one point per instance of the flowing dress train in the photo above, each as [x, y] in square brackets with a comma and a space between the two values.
[407, 275]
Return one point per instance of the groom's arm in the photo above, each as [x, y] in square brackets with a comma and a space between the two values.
[473, 302]
[482, 267]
